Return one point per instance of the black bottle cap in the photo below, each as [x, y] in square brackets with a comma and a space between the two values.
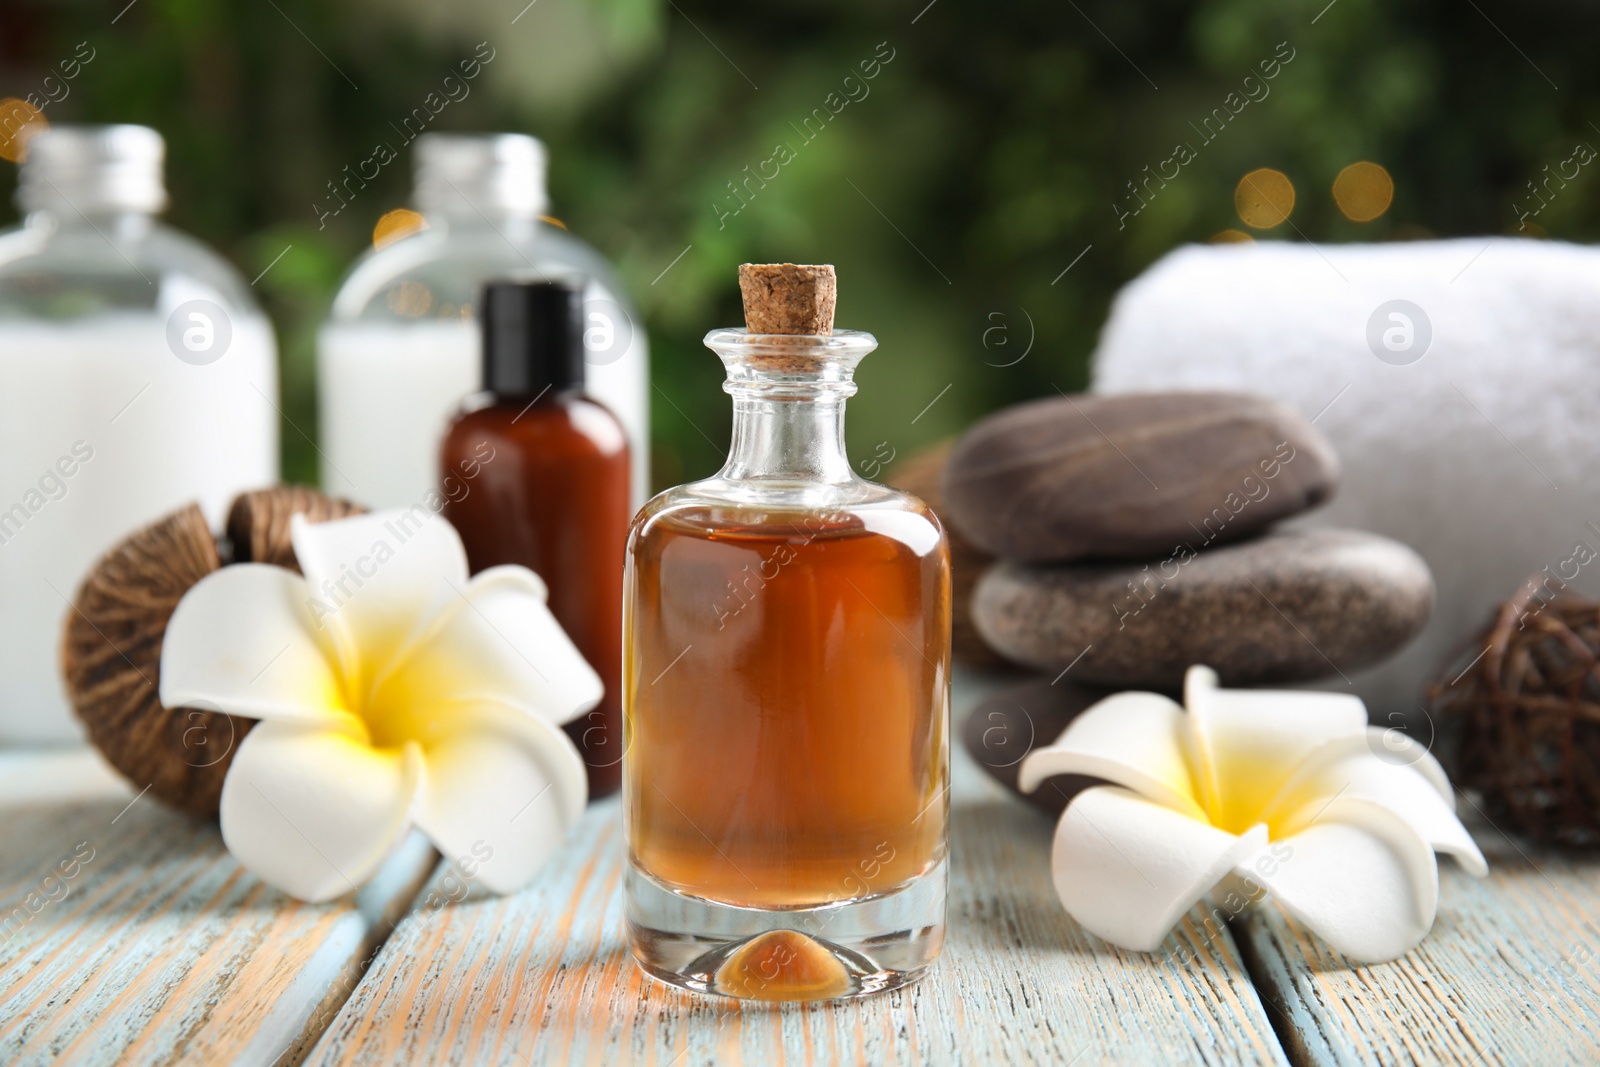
[532, 337]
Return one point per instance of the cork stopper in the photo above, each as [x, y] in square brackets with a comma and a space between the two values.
[788, 298]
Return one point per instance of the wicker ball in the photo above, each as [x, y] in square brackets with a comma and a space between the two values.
[1520, 725]
[111, 648]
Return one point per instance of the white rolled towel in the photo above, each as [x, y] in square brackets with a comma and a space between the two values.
[1467, 418]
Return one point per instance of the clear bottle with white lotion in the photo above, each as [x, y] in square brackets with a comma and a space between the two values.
[137, 374]
[401, 348]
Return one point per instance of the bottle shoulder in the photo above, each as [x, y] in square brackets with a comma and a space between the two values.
[563, 246]
[134, 264]
[559, 427]
[438, 272]
[780, 496]
[714, 508]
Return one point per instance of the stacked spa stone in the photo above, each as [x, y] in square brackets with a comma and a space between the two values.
[1137, 535]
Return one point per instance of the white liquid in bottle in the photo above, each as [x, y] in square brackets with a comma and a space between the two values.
[104, 427]
[401, 350]
[388, 391]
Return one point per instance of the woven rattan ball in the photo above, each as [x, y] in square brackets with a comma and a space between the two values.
[111, 648]
[1520, 726]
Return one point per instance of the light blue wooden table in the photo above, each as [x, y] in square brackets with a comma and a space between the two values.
[160, 949]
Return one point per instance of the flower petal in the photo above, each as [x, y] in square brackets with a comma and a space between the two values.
[496, 642]
[1246, 742]
[1358, 877]
[315, 810]
[1350, 769]
[1131, 739]
[1128, 868]
[1396, 746]
[378, 580]
[244, 640]
[502, 788]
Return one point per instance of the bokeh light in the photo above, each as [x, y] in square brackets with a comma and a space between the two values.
[410, 299]
[15, 118]
[1264, 198]
[401, 222]
[1232, 237]
[1363, 191]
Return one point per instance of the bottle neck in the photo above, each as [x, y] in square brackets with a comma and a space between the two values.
[788, 404]
[76, 171]
[788, 440]
[480, 182]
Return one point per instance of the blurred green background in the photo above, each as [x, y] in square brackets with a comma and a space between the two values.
[993, 150]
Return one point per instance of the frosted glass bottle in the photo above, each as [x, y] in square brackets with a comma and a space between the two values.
[136, 375]
[401, 350]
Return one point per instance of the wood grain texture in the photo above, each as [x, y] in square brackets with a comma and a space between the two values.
[1509, 975]
[544, 976]
[157, 947]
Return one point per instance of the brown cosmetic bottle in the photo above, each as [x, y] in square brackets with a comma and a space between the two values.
[551, 487]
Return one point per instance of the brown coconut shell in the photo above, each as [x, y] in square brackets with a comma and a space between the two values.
[111, 648]
[258, 521]
[922, 474]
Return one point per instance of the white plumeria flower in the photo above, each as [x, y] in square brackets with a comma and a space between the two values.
[392, 692]
[1284, 789]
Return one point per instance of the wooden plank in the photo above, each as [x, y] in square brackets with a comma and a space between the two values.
[544, 976]
[128, 934]
[1509, 975]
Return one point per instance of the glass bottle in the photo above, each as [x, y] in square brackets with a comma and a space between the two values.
[535, 473]
[401, 351]
[787, 637]
[137, 374]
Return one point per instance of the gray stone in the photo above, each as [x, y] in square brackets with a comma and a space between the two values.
[1132, 476]
[1293, 605]
[1008, 725]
